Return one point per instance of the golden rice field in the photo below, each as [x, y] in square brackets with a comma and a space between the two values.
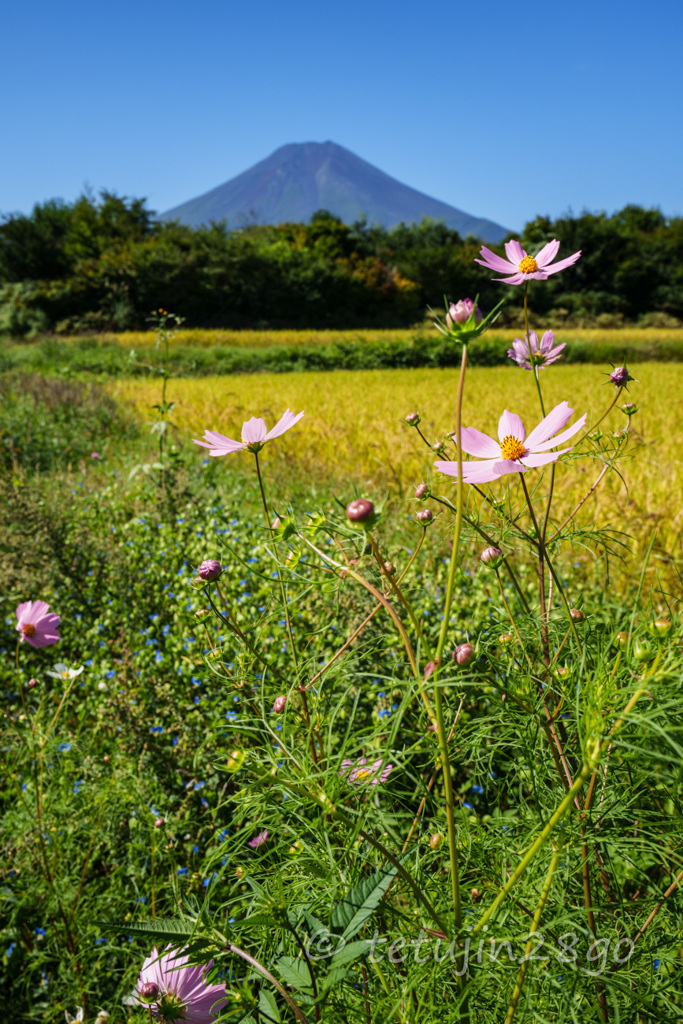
[354, 430]
[264, 339]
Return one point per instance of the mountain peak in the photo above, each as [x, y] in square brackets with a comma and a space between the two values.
[302, 177]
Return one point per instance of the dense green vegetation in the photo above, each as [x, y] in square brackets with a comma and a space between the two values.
[103, 264]
[94, 356]
[130, 792]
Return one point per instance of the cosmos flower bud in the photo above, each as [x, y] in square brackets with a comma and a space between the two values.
[279, 704]
[202, 613]
[642, 651]
[491, 556]
[277, 523]
[148, 991]
[661, 627]
[621, 638]
[561, 673]
[389, 568]
[476, 895]
[439, 447]
[435, 841]
[106, 759]
[506, 639]
[629, 408]
[422, 491]
[463, 654]
[360, 511]
[413, 419]
[460, 312]
[620, 376]
[424, 516]
[159, 823]
[576, 614]
[209, 570]
[32, 683]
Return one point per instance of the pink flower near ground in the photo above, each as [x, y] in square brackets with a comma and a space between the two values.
[258, 839]
[254, 435]
[37, 624]
[356, 773]
[542, 354]
[521, 267]
[513, 452]
[183, 992]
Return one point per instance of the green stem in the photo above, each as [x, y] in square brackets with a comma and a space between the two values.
[438, 702]
[400, 595]
[534, 928]
[535, 846]
[279, 574]
[534, 368]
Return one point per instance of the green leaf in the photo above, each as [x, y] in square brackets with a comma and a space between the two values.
[294, 972]
[164, 927]
[351, 951]
[314, 925]
[360, 902]
[267, 1005]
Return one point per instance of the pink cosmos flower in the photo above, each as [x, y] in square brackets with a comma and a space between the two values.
[356, 773]
[542, 354]
[514, 452]
[37, 624]
[258, 839]
[183, 992]
[254, 435]
[522, 267]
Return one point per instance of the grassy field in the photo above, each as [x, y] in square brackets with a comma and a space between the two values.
[353, 429]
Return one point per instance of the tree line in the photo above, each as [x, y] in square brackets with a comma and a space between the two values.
[104, 262]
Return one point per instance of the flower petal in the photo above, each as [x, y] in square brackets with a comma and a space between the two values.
[219, 444]
[515, 279]
[548, 426]
[511, 424]
[515, 253]
[254, 430]
[559, 438]
[548, 253]
[287, 420]
[474, 442]
[472, 472]
[563, 264]
[542, 458]
[493, 262]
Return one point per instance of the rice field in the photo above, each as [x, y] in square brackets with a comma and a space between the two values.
[267, 338]
[354, 430]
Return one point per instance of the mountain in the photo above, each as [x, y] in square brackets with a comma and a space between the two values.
[298, 179]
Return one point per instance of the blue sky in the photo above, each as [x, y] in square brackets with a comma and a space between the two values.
[503, 110]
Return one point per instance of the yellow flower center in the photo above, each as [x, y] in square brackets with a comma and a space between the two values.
[511, 448]
[29, 629]
[528, 265]
[363, 773]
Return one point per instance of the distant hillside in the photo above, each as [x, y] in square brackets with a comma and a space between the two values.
[298, 179]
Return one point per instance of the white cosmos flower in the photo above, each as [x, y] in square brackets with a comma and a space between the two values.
[64, 672]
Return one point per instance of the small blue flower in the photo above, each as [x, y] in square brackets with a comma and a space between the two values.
[10, 949]
[64, 746]
[477, 789]
[100, 942]
[40, 932]
[183, 871]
